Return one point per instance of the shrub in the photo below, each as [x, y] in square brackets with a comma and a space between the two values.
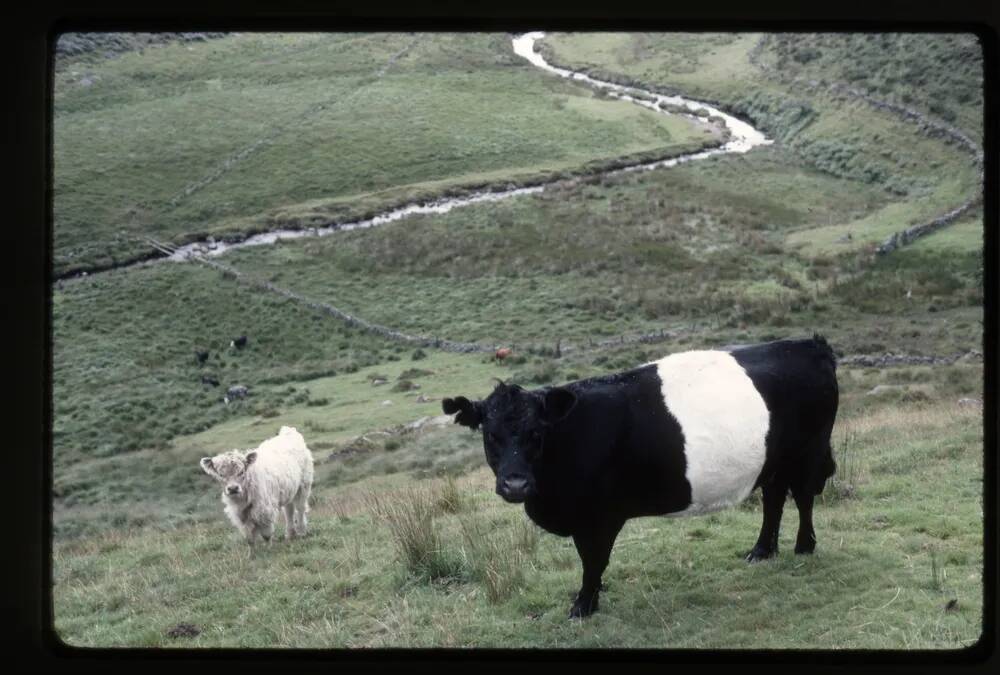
[409, 515]
[806, 54]
[405, 385]
[413, 373]
[449, 498]
[843, 484]
[494, 559]
[541, 373]
[418, 354]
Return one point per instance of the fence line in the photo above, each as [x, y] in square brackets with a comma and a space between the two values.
[652, 337]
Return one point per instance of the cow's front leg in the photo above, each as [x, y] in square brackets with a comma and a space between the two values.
[594, 547]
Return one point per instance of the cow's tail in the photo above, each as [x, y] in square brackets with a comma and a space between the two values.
[825, 466]
[825, 350]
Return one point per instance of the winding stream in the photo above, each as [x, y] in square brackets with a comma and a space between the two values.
[743, 137]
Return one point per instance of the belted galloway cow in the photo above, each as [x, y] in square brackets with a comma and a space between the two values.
[689, 434]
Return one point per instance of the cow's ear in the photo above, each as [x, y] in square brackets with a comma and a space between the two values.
[469, 412]
[556, 404]
[208, 467]
[251, 457]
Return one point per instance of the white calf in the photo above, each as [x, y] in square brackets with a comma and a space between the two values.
[276, 475]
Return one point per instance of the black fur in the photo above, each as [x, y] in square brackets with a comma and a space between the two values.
[586, 457]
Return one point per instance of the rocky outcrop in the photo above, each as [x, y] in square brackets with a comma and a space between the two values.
[890, 359]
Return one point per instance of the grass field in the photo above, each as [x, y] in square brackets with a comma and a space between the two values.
[900, 532]
[833, 133]
[250, 132]
[939, 74]
[259, 129]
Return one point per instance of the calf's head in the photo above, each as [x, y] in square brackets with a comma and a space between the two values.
[514, 422]
[230, 469]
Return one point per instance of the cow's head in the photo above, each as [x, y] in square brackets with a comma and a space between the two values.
[514, 423]
[230, 469]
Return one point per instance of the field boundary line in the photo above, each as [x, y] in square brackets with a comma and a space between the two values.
[887, 359]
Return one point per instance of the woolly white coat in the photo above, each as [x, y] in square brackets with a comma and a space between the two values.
[277, 475]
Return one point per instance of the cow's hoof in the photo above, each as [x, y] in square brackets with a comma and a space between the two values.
[805, 549]
[757, 554]
[581, 610]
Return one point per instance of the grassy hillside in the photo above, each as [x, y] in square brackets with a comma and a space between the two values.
[940, 74]
[899, 540]
[235, 134]
[488, 273]
[562, 266]
[125, 375]
[832, 132]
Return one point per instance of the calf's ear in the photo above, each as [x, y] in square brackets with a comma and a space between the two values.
[556, 404]
[208, 467]
[251, 457]
[469, 412]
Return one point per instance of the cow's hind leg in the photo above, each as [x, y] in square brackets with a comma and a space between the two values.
[594, 548]
[805, 542]
[773, 494]
[805, 489]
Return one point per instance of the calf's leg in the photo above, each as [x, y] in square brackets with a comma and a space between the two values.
[289, 511]
[301, 502]
[265, 526]
[774, 494]
[594, 548]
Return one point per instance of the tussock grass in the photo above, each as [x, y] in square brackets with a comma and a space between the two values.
[409, 515]
[497, 559]
[449, 498]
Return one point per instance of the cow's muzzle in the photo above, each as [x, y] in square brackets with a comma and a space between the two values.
[515, 489]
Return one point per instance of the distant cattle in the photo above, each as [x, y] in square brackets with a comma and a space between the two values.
[688, 434]
[278, 474]
[501, 354]
[235, 392]
[201, 356]
[239, 342]
[208, 379]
